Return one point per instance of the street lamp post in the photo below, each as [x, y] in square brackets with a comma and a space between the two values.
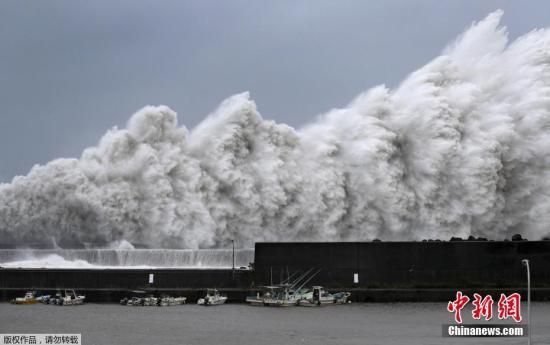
[233, 258]
[525, 262]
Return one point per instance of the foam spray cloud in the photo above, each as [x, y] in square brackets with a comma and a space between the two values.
[461, 147]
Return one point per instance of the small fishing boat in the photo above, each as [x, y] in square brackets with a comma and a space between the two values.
[29, 298]
[137, 298]
[286, 294]
[68, 297]
[124, 301]
[273, 296]
[180, 300]
[55, 299]
[268, 295]
[150, 301]
[317, 297]
[280, 296]
[341, 297]
[213, 297]
[71, 298]
[169, 300]
[135, 301]
[258, 299]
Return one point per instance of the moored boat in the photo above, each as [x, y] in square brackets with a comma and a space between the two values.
[279, 296]
[67, 297]
[213, 297]
[151, 300]
[286, 294]
[136, 299]
[258, 299]
[317, 297]
[169, 300]
[71, 298]
[29, 298]
[180, 300]
[341, 297]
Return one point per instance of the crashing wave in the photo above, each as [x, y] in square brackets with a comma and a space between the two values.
[461, 147]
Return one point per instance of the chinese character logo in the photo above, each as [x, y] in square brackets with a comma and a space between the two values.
[457, 305]
[509, 307]
[483, 307]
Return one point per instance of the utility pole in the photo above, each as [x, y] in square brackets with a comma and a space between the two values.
[525, 262]
[233, 258]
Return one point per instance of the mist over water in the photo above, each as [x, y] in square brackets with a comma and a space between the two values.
[125, 258]
[461, 147]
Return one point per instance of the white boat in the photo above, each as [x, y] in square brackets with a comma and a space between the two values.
[256, 300]
[341, 297]
[56, 299]
[71, 298]
[213, 297]
[135, 301]
[43, 299]
[317, 297]
[169, 300]
[138, 299]
[149, 301]
[286, 294]
[274, 296]
[29, 298]
[180, 300]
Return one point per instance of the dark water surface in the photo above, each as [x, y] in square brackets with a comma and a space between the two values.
[240, 324]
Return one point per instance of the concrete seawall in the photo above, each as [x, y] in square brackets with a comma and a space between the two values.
[468, 264]
[372, 271]
[107, 285]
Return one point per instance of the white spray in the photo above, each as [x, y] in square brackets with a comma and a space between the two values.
[461, 147]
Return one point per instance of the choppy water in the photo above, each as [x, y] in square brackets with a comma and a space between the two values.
[126, 258]
[239, 324]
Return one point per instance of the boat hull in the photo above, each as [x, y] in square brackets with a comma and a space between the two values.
[312, 303]
[280, 303]
[210, 302]
[255, 301]
[75, 301]
[33, 301]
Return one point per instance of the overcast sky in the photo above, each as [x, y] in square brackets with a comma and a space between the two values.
[70, 70]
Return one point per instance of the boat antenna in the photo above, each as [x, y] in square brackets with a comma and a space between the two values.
[307, 281]
[288, 278]
[303, 276]
[271, 273]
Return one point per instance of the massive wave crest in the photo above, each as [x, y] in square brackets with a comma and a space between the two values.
[461, 147]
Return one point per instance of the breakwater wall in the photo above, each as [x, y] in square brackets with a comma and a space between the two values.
[403, 271]
[105, 285]
[372, 271]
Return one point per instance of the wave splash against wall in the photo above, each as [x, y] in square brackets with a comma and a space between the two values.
[461, 147]
[125, 258]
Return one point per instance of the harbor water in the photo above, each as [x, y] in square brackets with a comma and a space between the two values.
[240, 324]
